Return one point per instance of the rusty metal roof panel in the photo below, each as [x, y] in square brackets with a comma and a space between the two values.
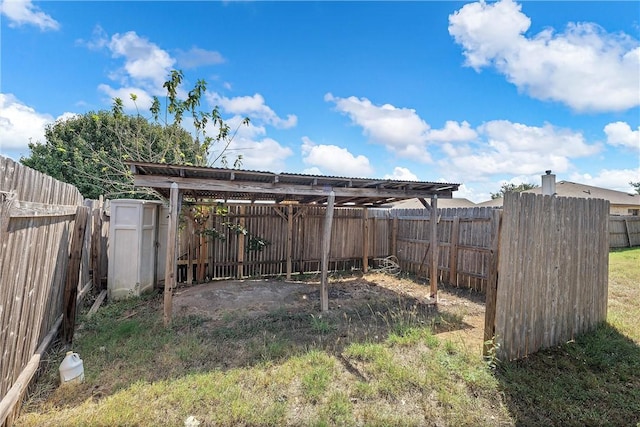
[237, 184]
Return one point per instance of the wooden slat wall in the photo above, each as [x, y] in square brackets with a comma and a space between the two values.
[552, 272]
[228, 257]
[36, 219]
[624, 231]
[464, 238]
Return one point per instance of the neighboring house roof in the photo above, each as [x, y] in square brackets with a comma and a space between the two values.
[572, 189]
[442, 203]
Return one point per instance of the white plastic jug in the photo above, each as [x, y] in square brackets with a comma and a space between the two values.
[71, 369]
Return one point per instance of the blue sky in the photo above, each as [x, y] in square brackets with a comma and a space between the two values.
[473, 93]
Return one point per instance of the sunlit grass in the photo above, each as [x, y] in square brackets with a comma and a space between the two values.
[382, 364]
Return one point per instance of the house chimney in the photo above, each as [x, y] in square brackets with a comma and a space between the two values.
[548, 184]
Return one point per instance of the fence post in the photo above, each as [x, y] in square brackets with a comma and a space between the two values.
[96, 242]
[171, 258]
[626, 227]
[453, 251]
[433, 222]
[240, 254]
[492, 283]
[393, 244]
[73, 270]
[365, 240]
[289, 239]
[326, 246]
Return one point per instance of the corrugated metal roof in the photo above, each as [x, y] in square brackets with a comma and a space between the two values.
[248, 185]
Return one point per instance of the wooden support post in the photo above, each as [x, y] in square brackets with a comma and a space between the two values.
[365, 240]
[240, 253]
[433, 237]
[301, 233]
[190, 251]
[326, 246]
[96, 243]
[453, 251]
[394, 237]
[73, 271]
[626, 227]
[492, 283]
[289, 239]
[171, 258]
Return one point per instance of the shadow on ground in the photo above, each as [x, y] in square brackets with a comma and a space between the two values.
[126, 342]
[590, 381]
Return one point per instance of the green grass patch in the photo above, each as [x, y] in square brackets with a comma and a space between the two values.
[379, 364]
[594, 380]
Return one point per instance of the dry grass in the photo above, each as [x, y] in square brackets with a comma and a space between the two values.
[383, 363]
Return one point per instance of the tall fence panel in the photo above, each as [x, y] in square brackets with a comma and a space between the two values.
[624, 231]
[552, 272]
[464, 244]
[37, 217]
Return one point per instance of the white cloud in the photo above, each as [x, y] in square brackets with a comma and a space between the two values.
[453, 132]
[584, 67]
[614, 179]
[472, 193]
[516, 149]
[401, 174]
[21, 124]
[335, 160]
[258, 152]
[23, 12]
[621, 134]
[312, 171]
[143, 98]
[400, 130]
[196, 57]
[253, 107]
[145, 62]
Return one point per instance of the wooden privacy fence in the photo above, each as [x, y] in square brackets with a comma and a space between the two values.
[624, 231]
[44, 265]
[464, 243]
[552, 273]
[360, 237]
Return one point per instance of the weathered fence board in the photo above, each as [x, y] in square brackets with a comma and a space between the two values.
[36, 216]
[552, 272]
[464, 239]
[624, 231]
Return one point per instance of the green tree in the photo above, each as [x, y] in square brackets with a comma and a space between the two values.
[505, 188]
[89, 150]
[636, 186]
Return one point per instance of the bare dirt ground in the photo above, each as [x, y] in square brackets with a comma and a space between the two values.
[232, 298]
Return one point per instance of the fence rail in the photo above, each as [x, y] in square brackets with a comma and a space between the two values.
[37, 220]
[624, 231]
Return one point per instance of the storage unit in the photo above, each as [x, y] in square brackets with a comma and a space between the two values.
[132, 247]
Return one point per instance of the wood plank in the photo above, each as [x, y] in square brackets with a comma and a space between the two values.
[365, 240]
[73, 269]
[171, 255]
[96, 304]
[277, 189]
[433, 237]
[289, 241]
[394, 237]
[492, 285]
[13, 396]
[326, 246]
[241, 239]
